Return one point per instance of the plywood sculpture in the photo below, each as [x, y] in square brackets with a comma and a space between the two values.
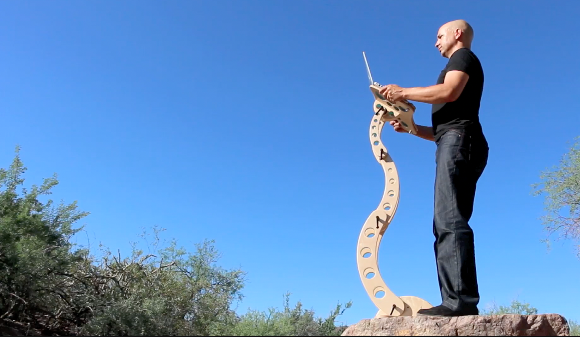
[378, 221]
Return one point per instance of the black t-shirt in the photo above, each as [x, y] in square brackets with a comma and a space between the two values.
[464, 112]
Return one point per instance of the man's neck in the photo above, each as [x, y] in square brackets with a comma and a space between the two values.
[456, 48]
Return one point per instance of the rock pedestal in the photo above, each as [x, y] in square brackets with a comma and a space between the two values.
[494, 325]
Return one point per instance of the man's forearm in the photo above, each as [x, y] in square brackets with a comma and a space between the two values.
[434, 94]
[425, 132]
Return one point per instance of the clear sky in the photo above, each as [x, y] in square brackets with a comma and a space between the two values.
[246, 122]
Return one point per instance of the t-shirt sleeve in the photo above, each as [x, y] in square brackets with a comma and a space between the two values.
[460, 60]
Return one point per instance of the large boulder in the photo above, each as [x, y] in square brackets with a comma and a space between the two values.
[493, 325]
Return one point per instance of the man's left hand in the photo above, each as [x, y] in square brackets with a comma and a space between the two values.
[392, 92]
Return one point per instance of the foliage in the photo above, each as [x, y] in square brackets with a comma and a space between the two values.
[48, 287]
[35, 255]
[561, 187]
[516, 307]
[169, 292]
[295, 321]
[574, 328]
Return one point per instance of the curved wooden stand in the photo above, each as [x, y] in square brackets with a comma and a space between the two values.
[378, 221]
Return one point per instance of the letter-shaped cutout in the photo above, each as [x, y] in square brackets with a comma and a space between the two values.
[378, 221]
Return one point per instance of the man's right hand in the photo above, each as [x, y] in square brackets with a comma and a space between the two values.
[397, 126]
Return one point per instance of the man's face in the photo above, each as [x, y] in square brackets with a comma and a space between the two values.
[445, 41]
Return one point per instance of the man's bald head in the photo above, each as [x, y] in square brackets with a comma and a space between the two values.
[454, 35]
[462, 27]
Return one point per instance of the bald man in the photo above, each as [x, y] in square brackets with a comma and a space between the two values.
[461, 156]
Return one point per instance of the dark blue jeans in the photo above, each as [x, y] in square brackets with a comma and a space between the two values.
[461, 157]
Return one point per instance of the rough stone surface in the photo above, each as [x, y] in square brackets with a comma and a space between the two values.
[493, 325]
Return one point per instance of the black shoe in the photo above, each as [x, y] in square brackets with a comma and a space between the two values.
[442, 310]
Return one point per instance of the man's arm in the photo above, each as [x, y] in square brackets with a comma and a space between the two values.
[425, 132]
[448, 91]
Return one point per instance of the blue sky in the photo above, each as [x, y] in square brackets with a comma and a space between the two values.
[246, 122]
